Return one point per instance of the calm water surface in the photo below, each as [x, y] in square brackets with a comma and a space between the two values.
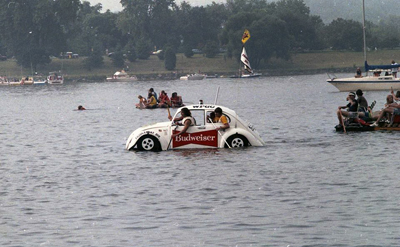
[66, 179]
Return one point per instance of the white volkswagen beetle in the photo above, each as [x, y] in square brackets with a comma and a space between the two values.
[203, 134]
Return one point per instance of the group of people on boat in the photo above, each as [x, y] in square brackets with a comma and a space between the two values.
[159, 101]
[358, 110]
[377, 73]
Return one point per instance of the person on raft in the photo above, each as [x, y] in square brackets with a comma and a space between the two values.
[187, 121]
[352, 108]
[391, 108]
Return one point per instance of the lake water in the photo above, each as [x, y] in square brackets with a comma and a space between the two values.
[66, 179]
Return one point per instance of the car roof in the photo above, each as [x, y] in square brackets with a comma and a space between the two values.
[211, 107]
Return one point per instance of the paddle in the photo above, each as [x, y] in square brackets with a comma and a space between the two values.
[219, 132]
[170, 117]
[341, 119]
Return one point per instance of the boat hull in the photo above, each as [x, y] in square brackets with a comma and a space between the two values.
[366, 84]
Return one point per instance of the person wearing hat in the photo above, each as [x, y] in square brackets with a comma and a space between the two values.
[352, 108]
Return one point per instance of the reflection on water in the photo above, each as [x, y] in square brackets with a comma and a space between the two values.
[67, 179]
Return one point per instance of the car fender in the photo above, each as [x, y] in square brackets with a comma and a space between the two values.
[135, 137]
[230, 132]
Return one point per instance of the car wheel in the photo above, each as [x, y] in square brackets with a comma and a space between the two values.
[236, 141]
[148, 143]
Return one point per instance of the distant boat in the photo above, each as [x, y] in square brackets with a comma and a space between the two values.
[122, 76]
[192, 77]
[380, 79]
[246, 67]
[27, 80]
[55, 78]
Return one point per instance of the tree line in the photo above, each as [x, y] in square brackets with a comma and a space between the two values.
[33, 31]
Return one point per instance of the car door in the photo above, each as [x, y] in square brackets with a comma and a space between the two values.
[201, 135]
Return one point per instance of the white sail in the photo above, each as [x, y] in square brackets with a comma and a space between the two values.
[245, 61]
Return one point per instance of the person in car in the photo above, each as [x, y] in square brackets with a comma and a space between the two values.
[186, 119]
[220, 118]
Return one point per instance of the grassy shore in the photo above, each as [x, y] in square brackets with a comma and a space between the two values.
[300, 63]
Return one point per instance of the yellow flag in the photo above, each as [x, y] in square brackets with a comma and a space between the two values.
[246, 36]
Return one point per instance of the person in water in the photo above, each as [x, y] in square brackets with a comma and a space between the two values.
[187, 121]
[352, 108]
[81, 108]
[220, 118]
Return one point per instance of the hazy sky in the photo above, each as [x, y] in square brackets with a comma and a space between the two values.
[114, 5]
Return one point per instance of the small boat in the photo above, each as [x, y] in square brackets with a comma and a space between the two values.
[246, 67]
[39, 81]
[121, 76]
[55, 78]
[203, 134]
[381, 78]
[356, 125]
[194, 76]
[27, 80]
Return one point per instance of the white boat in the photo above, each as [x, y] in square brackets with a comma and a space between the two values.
[194, 76]
[381, 79]
[121, 76]
[55, 78]
[246, 67]
[27, 80]
[371, 81]
[203, 134]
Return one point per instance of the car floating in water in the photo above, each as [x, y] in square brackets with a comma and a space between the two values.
[203, 134]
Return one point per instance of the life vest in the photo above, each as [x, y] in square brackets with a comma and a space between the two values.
[191, 119]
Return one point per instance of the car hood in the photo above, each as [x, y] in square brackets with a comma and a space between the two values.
[154, 126]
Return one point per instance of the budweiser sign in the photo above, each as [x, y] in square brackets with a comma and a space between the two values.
[205, 138]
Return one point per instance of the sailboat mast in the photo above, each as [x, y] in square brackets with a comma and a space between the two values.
[365, 42]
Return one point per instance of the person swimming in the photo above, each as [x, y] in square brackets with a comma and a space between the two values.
[81, 108]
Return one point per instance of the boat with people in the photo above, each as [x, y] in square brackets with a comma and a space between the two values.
[191, 77]
[55, 78]
[203, 133]
[380, 78]
[122, 76]
[377, 77]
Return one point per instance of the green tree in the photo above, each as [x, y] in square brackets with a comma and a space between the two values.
[143, 49]
[345, 35]
[211, 49]
[187, 50]
[95, 59]
[170, 59]
[118, 59]
[35, 29]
